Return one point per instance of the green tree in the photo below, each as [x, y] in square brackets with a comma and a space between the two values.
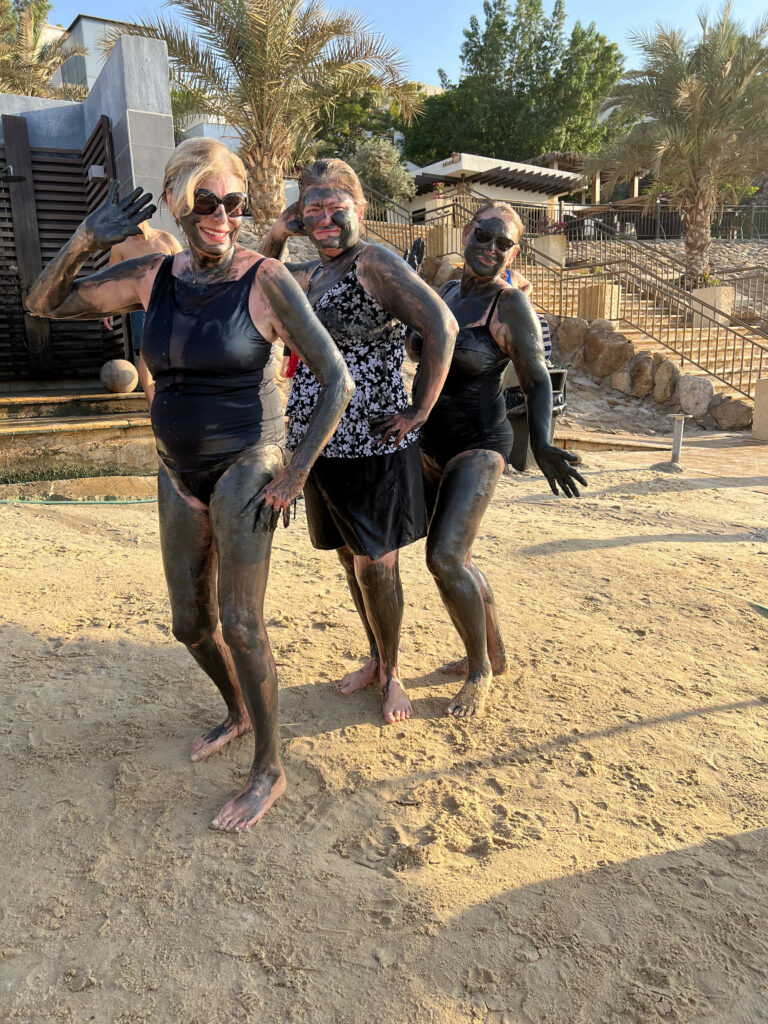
[526, 88]
[270, 69]
[378, 164]
[700, 113]
[27, 63]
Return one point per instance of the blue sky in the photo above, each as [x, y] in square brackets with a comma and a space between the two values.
[429, 32]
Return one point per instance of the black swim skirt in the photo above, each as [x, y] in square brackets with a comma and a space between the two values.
[372, 504]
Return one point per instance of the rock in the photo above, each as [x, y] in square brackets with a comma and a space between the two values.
[665, 381]
[447, 271]
[641, 375]
[605, 352]
[731, 413]
[553, 321]
[430, 267]
[577, 359]
[695, 394]
[620, 381]
[601, 324]
[119, 376]
[571, 332]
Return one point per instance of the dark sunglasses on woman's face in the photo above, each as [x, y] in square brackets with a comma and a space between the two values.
[502, 244]
[205, 202]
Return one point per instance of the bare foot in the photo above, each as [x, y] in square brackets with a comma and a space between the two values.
[251, 803]
[397, 707]
[470, 700]
[354, 681]
[459, 667]
[208, 743]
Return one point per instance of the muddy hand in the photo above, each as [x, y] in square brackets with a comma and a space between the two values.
[557, 465]
[291, 221]
[274, 499]
[394, 428]
[116, 219]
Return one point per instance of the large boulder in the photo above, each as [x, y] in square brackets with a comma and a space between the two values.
[620, 381]
[605, 352]
[695, 394]
[731, 413]
[641, 375]
[571, 332]
[429, 268]
[447, 271]
[665, 381]
[600, 323]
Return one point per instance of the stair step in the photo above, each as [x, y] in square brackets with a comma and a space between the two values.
[84, 404]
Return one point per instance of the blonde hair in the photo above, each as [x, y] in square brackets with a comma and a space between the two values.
[511, 213]
[331, 172]
[192, 161]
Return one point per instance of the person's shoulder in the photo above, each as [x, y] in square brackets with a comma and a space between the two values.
[512, 300]
[170, 243]
[374, 255]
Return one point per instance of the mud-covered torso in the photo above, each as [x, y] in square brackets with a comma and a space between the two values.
[470, 412]
[214, 393]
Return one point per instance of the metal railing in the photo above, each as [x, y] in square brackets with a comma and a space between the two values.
[623, 290]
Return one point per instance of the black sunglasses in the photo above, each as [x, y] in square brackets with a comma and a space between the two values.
[205, 202]
[502, 244]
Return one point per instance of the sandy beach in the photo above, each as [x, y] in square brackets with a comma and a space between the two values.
[594, 850]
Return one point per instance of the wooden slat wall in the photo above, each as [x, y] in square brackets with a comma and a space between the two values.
[63, 197]
[14, 358]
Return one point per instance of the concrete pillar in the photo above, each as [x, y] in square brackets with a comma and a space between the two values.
[133, 91]
[634, 190]
[760, 414]
[596, 189]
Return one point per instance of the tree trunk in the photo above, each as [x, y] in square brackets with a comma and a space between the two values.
[265, 186]
[698, 237]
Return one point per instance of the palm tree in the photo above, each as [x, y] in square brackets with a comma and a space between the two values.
[27, 61]
[269, 69]
[700, 112]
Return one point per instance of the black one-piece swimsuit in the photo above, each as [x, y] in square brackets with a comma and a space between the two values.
[470, 412]
[213, 399]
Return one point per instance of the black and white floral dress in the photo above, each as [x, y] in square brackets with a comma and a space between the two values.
[372, 344]
[360, 494]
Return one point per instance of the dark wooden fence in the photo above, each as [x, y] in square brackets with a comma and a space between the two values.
[37, 216]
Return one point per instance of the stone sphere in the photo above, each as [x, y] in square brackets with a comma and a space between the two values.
[119, 376]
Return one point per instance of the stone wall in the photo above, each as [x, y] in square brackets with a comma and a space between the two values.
[610, 359]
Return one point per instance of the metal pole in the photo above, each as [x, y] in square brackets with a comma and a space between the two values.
[677, 438]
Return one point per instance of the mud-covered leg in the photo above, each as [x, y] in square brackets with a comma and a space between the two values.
[466, 489]
[243, 571]
[189, 560]
[497, 653]
[362, 677]
[383, 597]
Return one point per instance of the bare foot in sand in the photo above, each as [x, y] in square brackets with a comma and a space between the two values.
[208, 743]
[397, 707]
[470, 700]
[459, 667]
[251, 803]
[354, 681]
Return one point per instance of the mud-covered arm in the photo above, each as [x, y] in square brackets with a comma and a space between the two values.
[59, 296]
[288, 225]
[294, 320]
[518, 333]
[399, 290]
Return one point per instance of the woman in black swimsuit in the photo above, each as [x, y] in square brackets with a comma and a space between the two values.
[213, 312]
[364, 496]
[467, 438]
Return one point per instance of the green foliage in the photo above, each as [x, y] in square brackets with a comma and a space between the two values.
[700, 114]
[26, 62]
[271, 69]
[378, 164]
[526, 88]
[344, 126]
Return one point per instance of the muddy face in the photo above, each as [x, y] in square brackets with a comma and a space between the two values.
[212, 236]
[489, 247]
[331, 219]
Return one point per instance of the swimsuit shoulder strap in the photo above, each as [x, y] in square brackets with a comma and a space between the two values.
[492, 310]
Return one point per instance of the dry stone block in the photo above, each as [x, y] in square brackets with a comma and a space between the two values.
[600, 323]
[577, 360]
[641, 375]
[430, 267]
[447, 271]
[620, 381]
[571, 333]
[760, 416]
[731, 413]
[601, 300]
[695, 394]
[665, 381]
[605, 352]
